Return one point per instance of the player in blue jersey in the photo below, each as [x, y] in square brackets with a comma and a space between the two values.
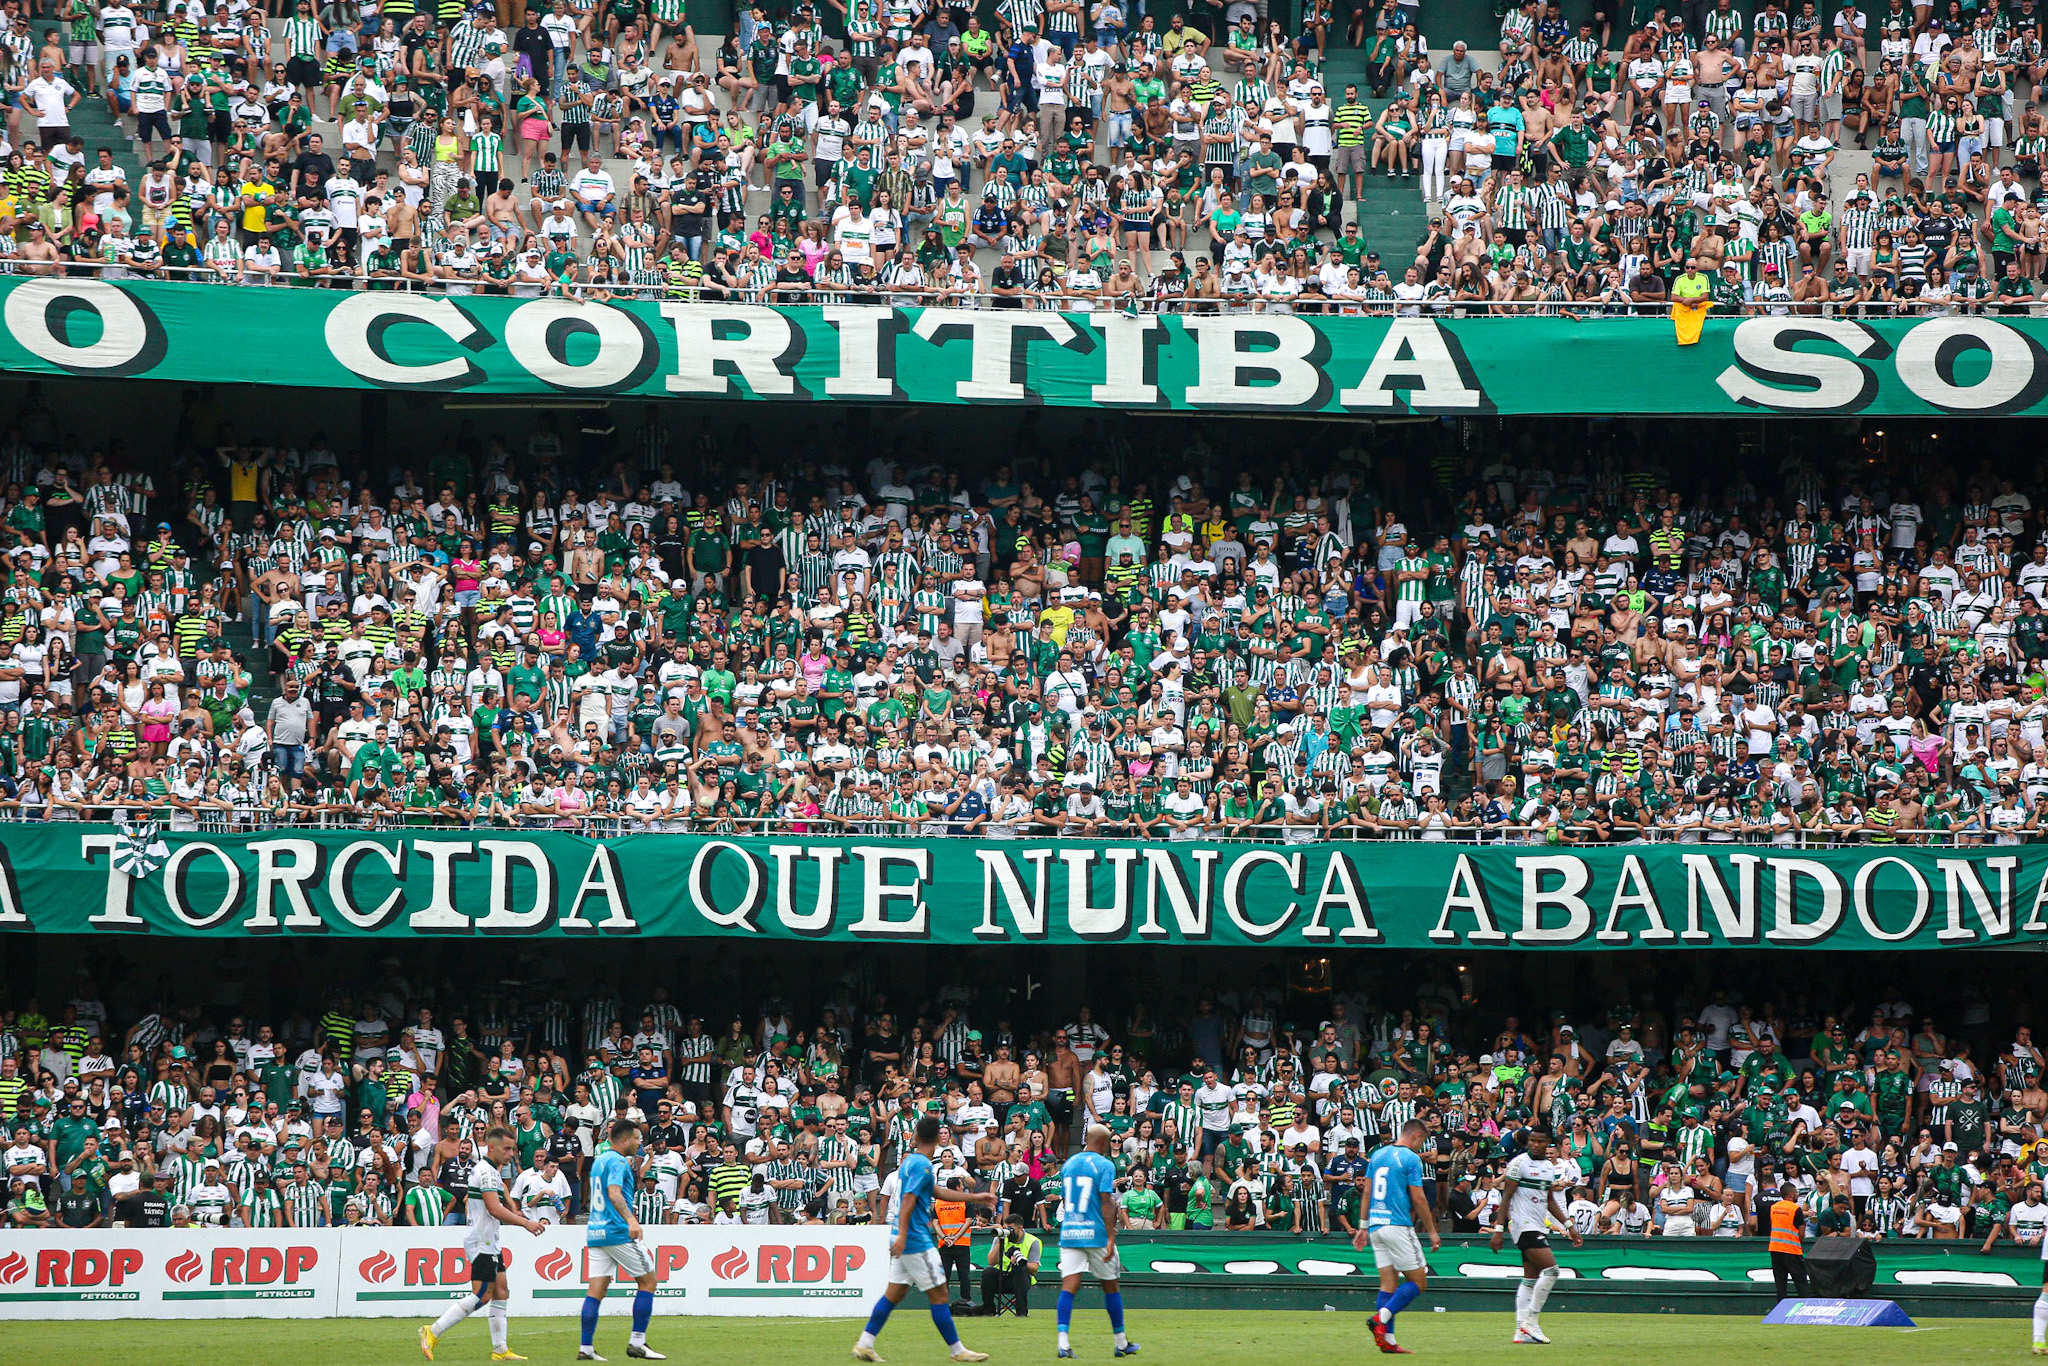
[1395, 1204]
[613, 1234]
[913, 1254]
[1088, 1221]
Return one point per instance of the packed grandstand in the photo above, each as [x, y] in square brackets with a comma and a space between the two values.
[1045, 155]
[1225, 1117]
[1565, 655]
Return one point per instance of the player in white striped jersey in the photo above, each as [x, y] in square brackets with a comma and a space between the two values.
[489, 1210]
[1531, 1190]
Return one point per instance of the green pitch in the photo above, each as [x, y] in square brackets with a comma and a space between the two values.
[1182, 1338]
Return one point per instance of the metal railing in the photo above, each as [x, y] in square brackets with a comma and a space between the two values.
[1058, 299]
[235, 818]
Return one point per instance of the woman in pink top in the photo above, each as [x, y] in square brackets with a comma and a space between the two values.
[570, 803]
[1926, 748]
[465, 575]
[155, 714]
[550, 634]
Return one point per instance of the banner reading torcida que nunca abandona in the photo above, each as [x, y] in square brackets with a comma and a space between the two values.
[71, 878]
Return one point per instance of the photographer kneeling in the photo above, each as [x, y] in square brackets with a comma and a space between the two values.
[1012, 1263]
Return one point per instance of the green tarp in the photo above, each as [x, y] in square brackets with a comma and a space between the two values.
[66, 877]
[1271, 363]
[1705, 1261]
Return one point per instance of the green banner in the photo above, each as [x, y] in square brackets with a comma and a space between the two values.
[1706, 1261]
[1265, 362]
[72, 878]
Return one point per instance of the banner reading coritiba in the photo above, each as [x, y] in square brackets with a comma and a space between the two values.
[1242, 362]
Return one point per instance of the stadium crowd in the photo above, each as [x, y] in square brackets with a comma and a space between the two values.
[1561, 646]
[1228, 1115]
[1573, 650]
[1060, 156]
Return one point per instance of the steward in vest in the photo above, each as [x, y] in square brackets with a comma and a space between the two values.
[950, 1233]
[1785, 1219]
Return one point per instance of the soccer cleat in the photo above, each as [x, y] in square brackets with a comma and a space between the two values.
[1379, 1332]
[866, 1354]
[1535, 1333]
[1066, 1352]
[968, 1354]
[427, 1341]
[644, 1352]
[507, 1355]
[2040, 1351]
[588, 1354]
[1129, 1349]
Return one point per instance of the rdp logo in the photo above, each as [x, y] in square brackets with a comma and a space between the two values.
[800, 1265]
[77, 1274]
[379, 1268]
[262, 1265]
[82, 1268]
[553, 1264]
[440, 1265]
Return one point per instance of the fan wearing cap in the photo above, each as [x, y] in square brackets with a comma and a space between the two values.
[1772, 294]
[212, 1200]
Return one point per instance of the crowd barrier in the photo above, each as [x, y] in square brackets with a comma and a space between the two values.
[324, 1273]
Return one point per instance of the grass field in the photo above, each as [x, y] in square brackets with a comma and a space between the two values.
[1183, 1338]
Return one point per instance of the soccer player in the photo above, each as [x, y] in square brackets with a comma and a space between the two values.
[613, 1235]
[913, 1255]
[1394, 1200]
[2040, 1302]
[1529, 1194]
[489, 1210]
[1088, 1220]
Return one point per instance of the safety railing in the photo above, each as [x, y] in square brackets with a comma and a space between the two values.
[1144, 298]
[227, 817]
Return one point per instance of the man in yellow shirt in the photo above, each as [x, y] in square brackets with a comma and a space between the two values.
[257, 195]
[1059, 616]
[1692, 294]
[1180, 34]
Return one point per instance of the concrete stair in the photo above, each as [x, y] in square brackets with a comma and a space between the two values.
[1393, 220]
[92, 121]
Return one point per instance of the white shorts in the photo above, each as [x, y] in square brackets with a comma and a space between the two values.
[918, 1270]
[864, 1183]
[1093, 1260]
[1396, 1247]
[620, 1261]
